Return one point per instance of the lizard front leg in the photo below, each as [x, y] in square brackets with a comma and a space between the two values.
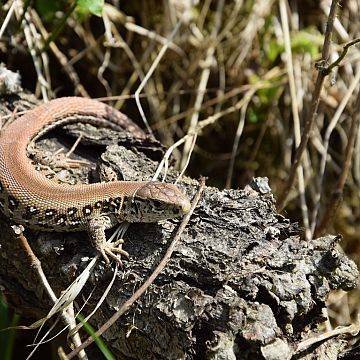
[96, 230]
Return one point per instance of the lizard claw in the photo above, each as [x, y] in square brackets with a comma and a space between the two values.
[96, 231]
[109, 250]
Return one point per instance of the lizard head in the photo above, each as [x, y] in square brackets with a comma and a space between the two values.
[155, 201]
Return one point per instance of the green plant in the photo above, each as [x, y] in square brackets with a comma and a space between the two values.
[7, 337]
[99, 342]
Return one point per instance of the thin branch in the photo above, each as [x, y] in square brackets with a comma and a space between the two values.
[204, 123]
[192, 145]
[352, 329]
[55, 33]
[204, 78]
[295, 113]
[44, 86]
[153, 36]
[36, 264]
[7, 18]
[313, 110]
[324, 155]
[151, 71]
[66, 65]
[337, 194]
[273, 74]
[341, 56]
[248, 96]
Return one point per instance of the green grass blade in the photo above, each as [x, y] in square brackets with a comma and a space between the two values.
[7, 338]
[99, 342]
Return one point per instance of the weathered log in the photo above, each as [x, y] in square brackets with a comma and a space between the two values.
[242, 283]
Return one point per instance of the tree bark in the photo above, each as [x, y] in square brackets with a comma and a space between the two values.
[242, 283]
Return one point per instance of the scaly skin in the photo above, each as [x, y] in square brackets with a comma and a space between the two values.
[30, 199]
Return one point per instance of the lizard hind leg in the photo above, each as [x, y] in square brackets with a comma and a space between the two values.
[96, 230]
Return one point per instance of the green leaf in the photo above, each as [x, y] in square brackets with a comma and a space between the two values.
[273, 50]
[94, 7]
[305, 41]
[268, 95]
[252, 116]
[47, 9]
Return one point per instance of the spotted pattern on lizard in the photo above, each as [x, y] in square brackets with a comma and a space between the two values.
[31, 199]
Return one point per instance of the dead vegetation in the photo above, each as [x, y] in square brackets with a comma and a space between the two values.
[231, 83]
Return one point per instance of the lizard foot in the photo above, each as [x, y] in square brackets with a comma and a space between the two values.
[96, 231]
[111, 250]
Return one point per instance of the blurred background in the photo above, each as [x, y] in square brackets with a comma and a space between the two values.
[238, 73]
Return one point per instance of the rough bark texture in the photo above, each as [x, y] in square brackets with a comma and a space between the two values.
[242, 284]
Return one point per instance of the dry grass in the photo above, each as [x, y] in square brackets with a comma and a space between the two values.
[230, 82]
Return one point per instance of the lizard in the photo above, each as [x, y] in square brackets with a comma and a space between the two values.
[30, 199]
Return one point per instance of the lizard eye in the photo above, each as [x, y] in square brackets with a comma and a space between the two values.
[157, 203]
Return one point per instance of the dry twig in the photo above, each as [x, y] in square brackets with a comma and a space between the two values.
[36, 264]
[313, 109]
[337, 193]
